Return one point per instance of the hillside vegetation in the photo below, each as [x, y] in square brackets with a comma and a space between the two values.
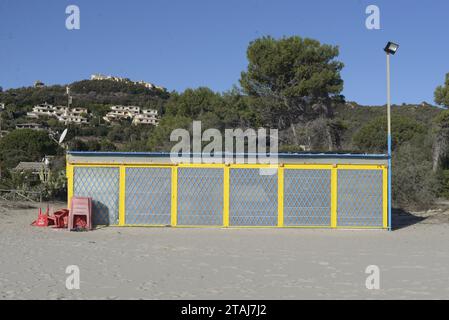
[291, 84]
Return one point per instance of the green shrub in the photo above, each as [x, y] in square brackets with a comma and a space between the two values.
[414, 185]
[372, 137]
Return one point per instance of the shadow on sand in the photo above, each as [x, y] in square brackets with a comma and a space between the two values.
[403, 219]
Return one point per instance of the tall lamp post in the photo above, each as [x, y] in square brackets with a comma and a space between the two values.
[390, 49]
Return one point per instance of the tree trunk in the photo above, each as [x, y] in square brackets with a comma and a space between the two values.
[292, 126]
[329, 138]
[436, 156]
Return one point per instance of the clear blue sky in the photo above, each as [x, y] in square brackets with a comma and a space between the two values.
[185, 44]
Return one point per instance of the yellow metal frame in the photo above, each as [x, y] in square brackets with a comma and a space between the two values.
[122, 195]
[385, 197]
[360, 167]
[384, 169]
[226, 189]
[226, 179]
[70, 182]
[174, 196]
[280, 196]
[308, 166]
[334, 196]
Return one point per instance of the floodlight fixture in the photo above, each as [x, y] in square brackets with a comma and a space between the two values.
[391, 47]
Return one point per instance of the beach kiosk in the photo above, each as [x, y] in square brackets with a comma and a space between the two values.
[301, 190]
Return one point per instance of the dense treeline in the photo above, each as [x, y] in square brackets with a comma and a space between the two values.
[291, 84]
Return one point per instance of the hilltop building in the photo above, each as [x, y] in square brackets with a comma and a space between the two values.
[39, 84]
[148, 85]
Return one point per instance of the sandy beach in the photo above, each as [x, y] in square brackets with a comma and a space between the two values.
[202, 263]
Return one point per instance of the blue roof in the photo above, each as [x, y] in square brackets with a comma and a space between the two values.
[279, 155]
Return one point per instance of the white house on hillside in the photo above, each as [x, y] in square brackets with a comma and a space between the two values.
[138, 116]
[62, 113]
[147, 117]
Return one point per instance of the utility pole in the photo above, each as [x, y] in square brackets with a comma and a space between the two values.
[69, 97]
[390, 48]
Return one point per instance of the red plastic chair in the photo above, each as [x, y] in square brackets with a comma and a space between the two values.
[44, 219]
[61, 218]
[80, 207]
